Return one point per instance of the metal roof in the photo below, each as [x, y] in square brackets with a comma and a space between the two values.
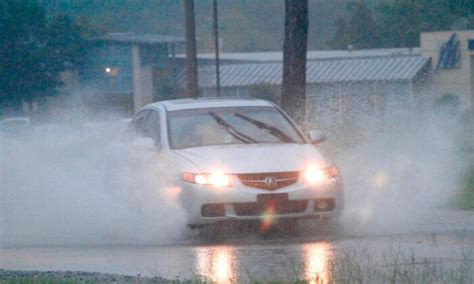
[140, 39]
[277, 56]
[198, 103]
[395, 68]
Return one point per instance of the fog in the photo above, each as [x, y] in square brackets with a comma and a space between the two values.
[52, 189]
[52, 192]
[401, 176]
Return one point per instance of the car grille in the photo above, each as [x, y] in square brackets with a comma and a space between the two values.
[269, 181]
[258, 208]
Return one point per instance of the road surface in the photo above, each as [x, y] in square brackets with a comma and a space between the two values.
[446, 242]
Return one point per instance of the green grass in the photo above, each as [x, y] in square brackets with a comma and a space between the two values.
[47, 277]
[42, 280]
[347, 270]
[467, 196]
[349, 265]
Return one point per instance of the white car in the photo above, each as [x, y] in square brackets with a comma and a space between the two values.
[233, 159]
[14, 124]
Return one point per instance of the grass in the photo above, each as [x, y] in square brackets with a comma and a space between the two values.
[357, 264]
[348, 270]
[466, 200]
[68, 277]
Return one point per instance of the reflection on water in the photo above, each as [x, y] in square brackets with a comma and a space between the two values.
[216, 263]
[220, 264]
[317, 258]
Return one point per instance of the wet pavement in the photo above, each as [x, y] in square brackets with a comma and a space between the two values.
[244, 253]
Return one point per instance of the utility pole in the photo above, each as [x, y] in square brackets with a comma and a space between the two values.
[293, 97]
[192, 88]
[216, 47]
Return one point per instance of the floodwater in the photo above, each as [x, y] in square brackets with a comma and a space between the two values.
[55, 214]
[446, 241]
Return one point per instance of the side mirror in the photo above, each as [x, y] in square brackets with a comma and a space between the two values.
[316, 136]
[144, 143]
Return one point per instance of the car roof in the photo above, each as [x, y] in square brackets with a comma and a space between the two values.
[24, 119]
[17, 118]
[183, 104]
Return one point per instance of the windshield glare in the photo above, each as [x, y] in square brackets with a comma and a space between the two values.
[221, 126]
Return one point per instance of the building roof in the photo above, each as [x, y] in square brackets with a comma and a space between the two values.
[277, 56]
[150, 39]
[394, 68]
[182, 104]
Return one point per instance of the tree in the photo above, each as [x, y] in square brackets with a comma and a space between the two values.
[361, 32]
[66, 43]
[22, 72]
[294, 59]
[403, 20]
[34, 52]
[342, 37]
[398, 23]
[191, 60]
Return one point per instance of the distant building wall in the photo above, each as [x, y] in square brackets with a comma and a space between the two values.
[458, 80]
[264, 92]
[127, 71]
[142, 81]
[359, 105]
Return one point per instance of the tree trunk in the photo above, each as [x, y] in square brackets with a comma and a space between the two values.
[216, 48]
[294, 59]
[192, 90]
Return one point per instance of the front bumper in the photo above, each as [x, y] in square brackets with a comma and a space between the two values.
[206, 205]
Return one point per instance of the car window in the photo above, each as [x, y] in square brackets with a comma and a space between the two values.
[151, 126]
[229, 125]
[136, 126]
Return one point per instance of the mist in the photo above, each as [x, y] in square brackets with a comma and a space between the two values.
[53, 191]
[399, 177]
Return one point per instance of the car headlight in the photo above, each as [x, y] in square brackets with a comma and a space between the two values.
[314, 175]
[213, 179]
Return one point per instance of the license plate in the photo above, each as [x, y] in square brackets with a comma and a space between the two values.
[273, 197]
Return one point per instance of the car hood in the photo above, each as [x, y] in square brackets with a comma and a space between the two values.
[253, 158]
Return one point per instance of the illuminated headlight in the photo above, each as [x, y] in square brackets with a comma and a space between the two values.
[314, 175]
[214, 179]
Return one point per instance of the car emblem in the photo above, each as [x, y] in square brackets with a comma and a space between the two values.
[269, 181]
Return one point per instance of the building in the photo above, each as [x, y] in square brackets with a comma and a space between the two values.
[277, 56]
[452, 53]
[342, 86]
[126, 71]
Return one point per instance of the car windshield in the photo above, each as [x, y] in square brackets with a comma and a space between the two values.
[229, 125]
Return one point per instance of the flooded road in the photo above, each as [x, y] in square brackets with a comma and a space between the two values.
[59, 216]
[446, 242]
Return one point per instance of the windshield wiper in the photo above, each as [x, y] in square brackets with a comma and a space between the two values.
[232, 131]
[269, 128]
